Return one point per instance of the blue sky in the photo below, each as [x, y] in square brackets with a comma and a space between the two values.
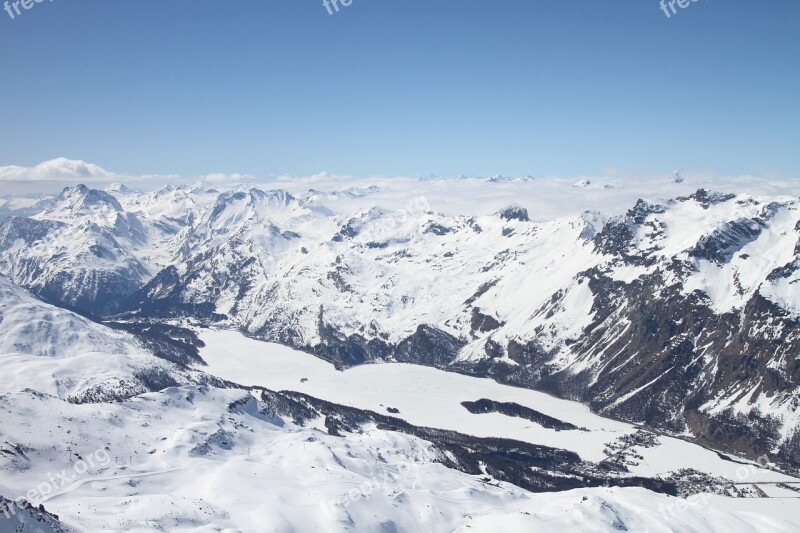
[446, 87]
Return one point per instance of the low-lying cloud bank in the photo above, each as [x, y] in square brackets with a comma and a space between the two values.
[544, 197]
[51, 176]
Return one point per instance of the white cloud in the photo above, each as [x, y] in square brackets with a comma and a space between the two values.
[545, 197]
[220, 178]
[321, 177]
[61, 172]
[64, 169]
[60, 169]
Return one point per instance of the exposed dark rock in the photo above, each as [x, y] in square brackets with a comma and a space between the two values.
[483, 289]
[27, 230]
[484, 406]
[347, 351]
[785, 271]
[22, 516]
[721, 245]
[493, 349]
[483, 323]
[172, 343]
[337, 276]
[514, 213]
[530, 466]
[708, 198]
[668, 357]
[474, 225]
[348, 231]
[429, 346]
[617, 237]
[162, 297]
[437, 229]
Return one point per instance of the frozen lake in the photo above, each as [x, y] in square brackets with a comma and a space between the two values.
[432, 398]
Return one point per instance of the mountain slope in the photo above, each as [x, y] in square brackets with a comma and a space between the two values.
[681, 314]
[712, 349]
[190, 458]
[55, 351]
[79, 252]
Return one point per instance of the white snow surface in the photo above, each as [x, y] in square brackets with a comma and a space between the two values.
[182, 461]
[57, 352]
[430, 397]
[424, 252]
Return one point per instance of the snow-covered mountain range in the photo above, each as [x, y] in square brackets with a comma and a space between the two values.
[204, 454]
[679, 311]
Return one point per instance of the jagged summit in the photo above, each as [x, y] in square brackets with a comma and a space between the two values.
[73, 199]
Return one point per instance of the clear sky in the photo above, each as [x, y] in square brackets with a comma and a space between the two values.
[446, 87]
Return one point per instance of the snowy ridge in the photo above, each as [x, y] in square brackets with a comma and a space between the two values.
[57, 352]
[188, 459]
[568, 304]
[678, 313]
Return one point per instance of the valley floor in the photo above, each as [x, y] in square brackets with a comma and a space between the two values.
[430, 397]
[202, 459]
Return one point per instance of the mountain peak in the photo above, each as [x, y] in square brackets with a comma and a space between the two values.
[82, 193]
[79, 200]
[120, 188]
